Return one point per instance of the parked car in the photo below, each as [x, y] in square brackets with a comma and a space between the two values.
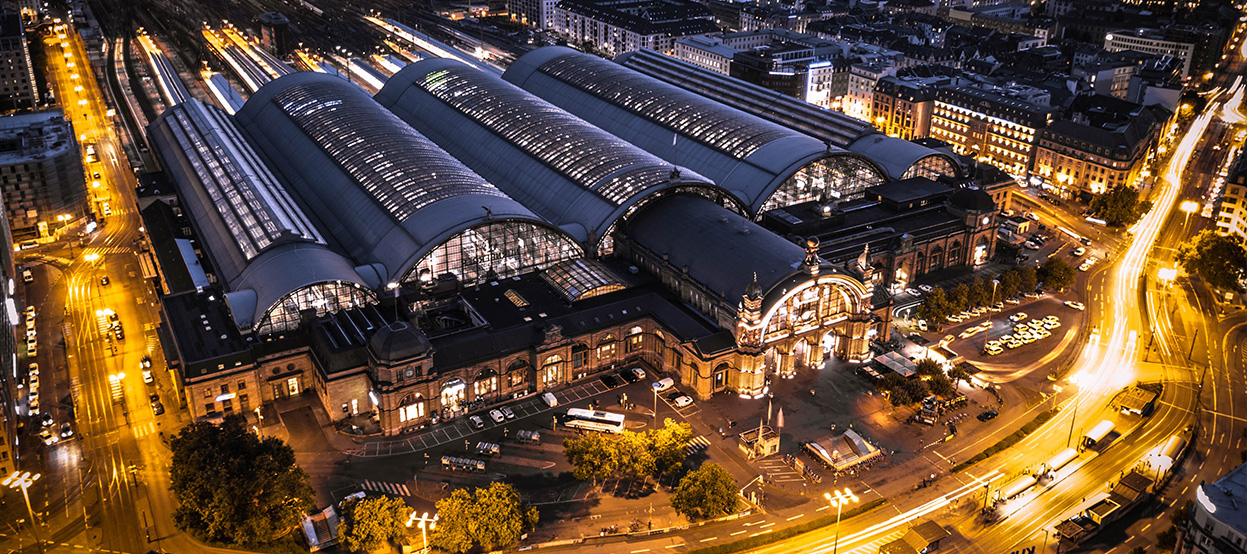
[49, 438]
[1080, 251]
[1031, 216]
[496, 416]
[683, 400]
[609, 381]
[549, 399]
[913, 292]
[988, 415]
[67, 430]
[1076, 305]
[926, 288]
[507, 412]
[148, 378]
[104, 281]
[638, 372]
[477, 422]
[1018, 316]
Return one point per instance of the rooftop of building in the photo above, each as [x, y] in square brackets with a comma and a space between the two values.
[32, 137]
[1226, 499]
[708, 44]
[647, 17]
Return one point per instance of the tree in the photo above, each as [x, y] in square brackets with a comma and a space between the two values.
[706, 492]
[941, 385]
[1010, 281]
[592, 456]
[670, 444]
[1180, 514]
[1167, 539]
[958, 374]
[935, 308]
[1220, 260]
[959, 298]
[491, 517]
[369, 523]
[915, 390]
[980, 292]
[633, 454]
[233, 486]
[928, 367]
[1120, 206]
[1056, 273]
[1027, 280]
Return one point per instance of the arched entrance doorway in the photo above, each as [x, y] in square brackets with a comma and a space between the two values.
[830, 344]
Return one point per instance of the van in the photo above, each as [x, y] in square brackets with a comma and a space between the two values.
[664, 384]
[549, 399]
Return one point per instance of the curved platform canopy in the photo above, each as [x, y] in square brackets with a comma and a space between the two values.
[765, 164]
[577, 176]
[728, 254]
[258, 240]
[901, 159]
[385, 193]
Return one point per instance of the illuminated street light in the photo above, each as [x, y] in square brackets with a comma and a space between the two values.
[425, 524]
[23, 481]
[839, 500]
[1188, 207]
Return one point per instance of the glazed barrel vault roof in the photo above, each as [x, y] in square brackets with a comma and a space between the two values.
[384, 192]
[577, 176]
[744, 154]
[260, 242]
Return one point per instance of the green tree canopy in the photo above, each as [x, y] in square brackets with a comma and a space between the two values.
[928, 366]
[371, 522]
[592, 456]
[1120, 206]
[635, 458]
[957, 374]
[1056, 273]
[935, 307]
[670, 444]
[490, 517]
[231, 485]
[941, 385]
[959, 298]
[706, 492]
[1027, 279]
[1010, 282]
[1220, 260]
[980, 292]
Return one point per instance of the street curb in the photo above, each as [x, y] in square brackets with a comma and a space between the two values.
[637, 534]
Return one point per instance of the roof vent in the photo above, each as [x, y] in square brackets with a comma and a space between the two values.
[744, 229]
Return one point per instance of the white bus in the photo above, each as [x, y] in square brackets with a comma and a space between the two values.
[589, 420]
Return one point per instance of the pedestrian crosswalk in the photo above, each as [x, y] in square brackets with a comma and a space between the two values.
[698, 444]
[396, 489]
[143, 429]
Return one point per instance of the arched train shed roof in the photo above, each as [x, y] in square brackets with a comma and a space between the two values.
[577, 176]
[259, 241]
[384, 192]
[746, 155]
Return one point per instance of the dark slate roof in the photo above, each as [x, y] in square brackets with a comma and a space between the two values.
[399, 341]
[721, 250]
[973, 199]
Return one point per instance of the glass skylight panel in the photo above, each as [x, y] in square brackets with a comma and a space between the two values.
[582, 153]
[416, 174]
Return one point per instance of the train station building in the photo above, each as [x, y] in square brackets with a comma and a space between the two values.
[460, 240]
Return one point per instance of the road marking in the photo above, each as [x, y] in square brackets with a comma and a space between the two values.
[767, 525]
[738, 532]
[640, 551]
[795, 517]
[823, 508]
[762, 533]
[709, 539]
[755, 523]
[674, 545]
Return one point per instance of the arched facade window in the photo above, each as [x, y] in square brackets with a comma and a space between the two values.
[607, 348]
[937, 258]
[485, 383]
[411, 408]
[324, 298]
[955, 253]
[635, 340]
[552, 370]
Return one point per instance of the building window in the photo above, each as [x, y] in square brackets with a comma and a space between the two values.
[606, 350]
[244, 403]
[224, 388]
[579, 353]
[209, 407]
[242, 385]
[412, 411]
[485, 386]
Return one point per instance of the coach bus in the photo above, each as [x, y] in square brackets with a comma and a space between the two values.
[589, 420]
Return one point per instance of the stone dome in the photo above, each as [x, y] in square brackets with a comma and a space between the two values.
[399, 341]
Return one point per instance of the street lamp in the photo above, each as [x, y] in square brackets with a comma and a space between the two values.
[1188, 207]
[839, 500]
[425, 524]
[23, 481]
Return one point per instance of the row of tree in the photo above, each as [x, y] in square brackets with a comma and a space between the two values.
[1220, 260]
[1120, 206]
[488, 517]
[596, 456]
[931, 380]
[939, 304]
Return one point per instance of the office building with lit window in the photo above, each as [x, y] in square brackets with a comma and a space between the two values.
[41, 174]
[1232, 207]
[1151, 41]
[1098, 149]
[444, 247]
[990, 126]
[612, 28]
[17, 74]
